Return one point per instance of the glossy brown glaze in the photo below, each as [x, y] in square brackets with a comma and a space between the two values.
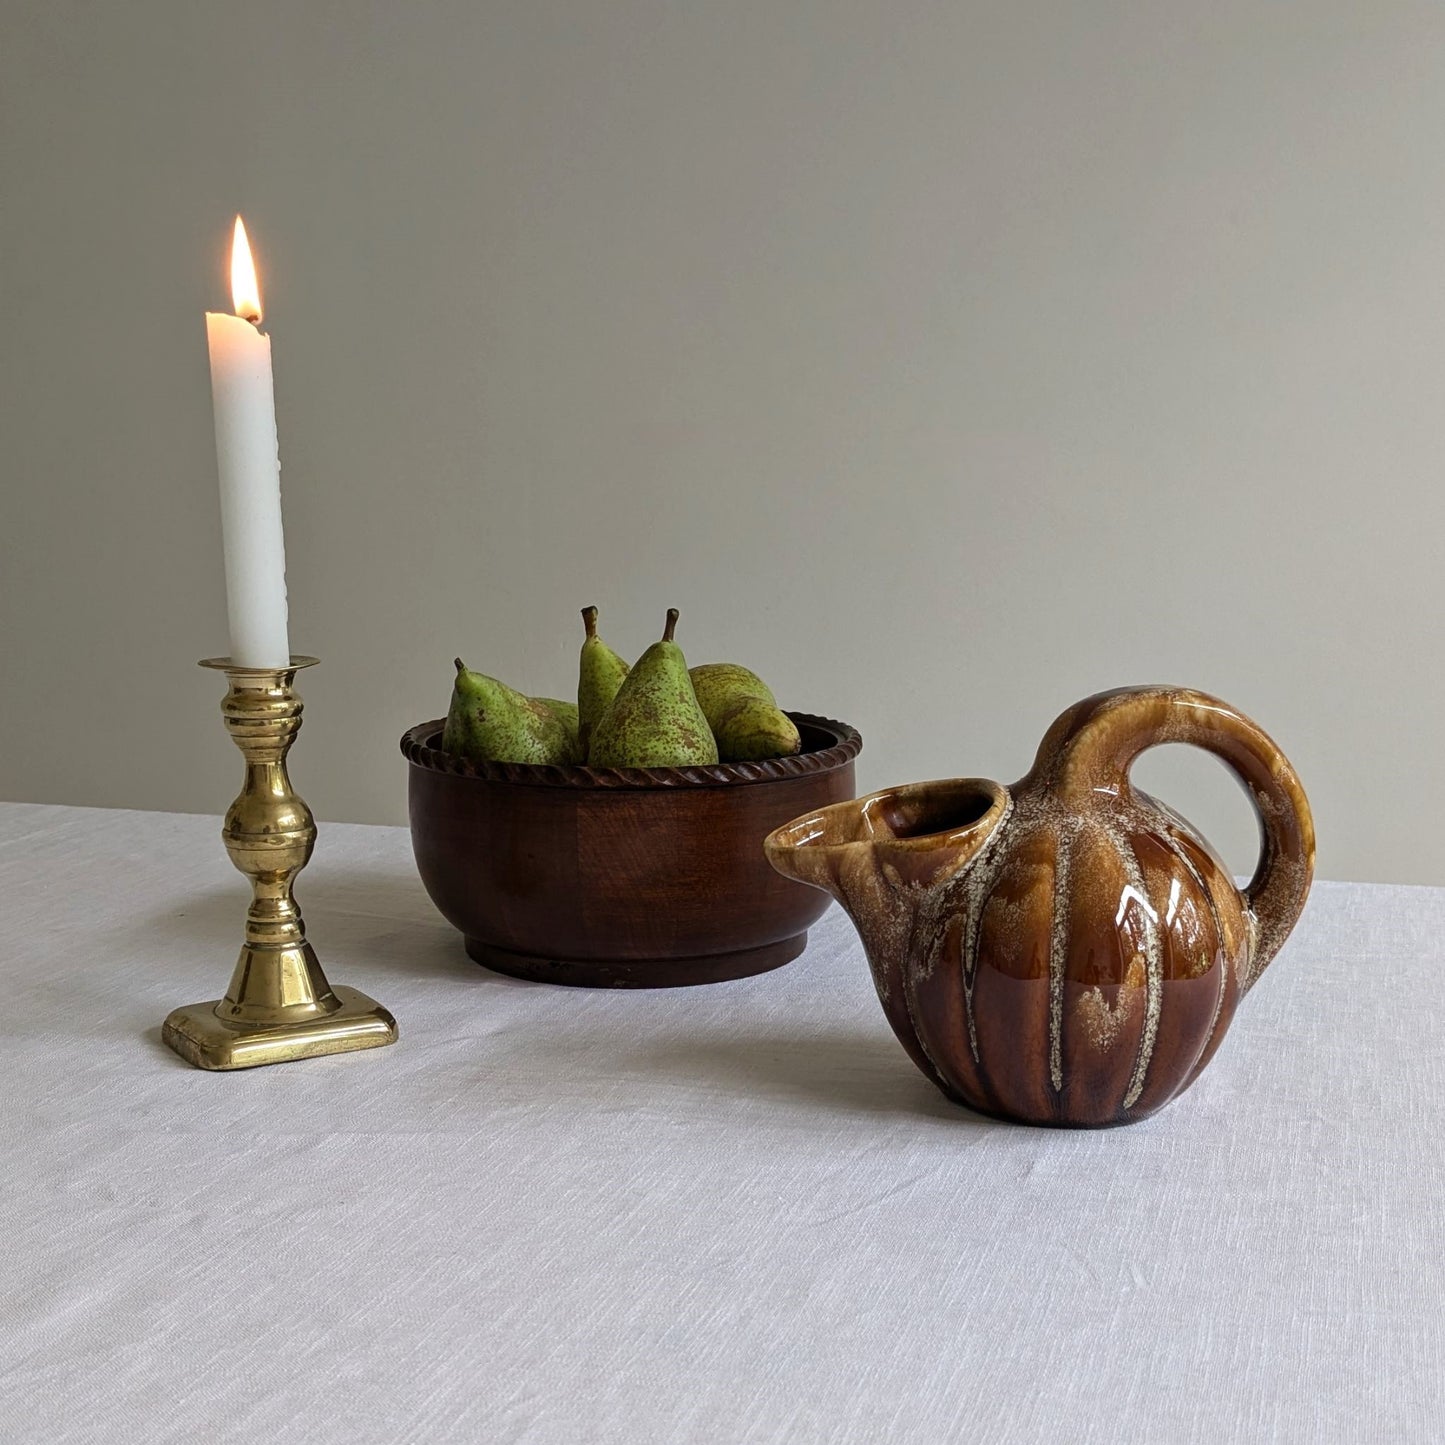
[1066, 951]
[621, 878]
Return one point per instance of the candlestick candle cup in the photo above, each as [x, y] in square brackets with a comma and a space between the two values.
[279, 1005]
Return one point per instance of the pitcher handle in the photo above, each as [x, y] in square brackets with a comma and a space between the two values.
[1090, 750]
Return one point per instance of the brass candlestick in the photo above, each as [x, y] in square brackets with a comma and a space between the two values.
[279, 1005]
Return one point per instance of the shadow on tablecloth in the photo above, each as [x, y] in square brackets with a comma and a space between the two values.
[375, 921]
[853, 1072]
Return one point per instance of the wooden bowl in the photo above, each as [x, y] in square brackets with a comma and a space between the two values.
[621, 877]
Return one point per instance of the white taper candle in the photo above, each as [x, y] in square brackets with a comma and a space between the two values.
[249, 465]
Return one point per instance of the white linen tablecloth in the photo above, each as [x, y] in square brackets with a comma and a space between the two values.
[728, 1214]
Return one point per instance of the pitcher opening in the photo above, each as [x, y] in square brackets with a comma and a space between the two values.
[923, 810]
[920, 832]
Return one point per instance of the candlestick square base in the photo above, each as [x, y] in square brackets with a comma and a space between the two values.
[204, 1039]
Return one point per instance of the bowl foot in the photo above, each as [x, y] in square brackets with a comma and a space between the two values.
[637, 972]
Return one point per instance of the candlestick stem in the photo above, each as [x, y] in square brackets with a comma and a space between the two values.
[279, 1005]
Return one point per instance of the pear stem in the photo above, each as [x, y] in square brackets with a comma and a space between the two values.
[589, 621]
[461, 666]
[672, 615]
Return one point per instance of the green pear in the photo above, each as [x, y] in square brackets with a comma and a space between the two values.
[654, 721]
[566, 714]
[743, 714]
[599, 675]
[489, 722]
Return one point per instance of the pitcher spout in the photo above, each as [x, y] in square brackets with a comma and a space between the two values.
[898, 841]
[890, 859]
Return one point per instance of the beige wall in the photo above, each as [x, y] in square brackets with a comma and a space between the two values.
[944, 362]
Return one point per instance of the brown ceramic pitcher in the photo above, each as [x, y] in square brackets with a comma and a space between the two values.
[1068, 950]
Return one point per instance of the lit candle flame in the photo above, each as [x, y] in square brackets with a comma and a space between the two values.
[245, 290]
